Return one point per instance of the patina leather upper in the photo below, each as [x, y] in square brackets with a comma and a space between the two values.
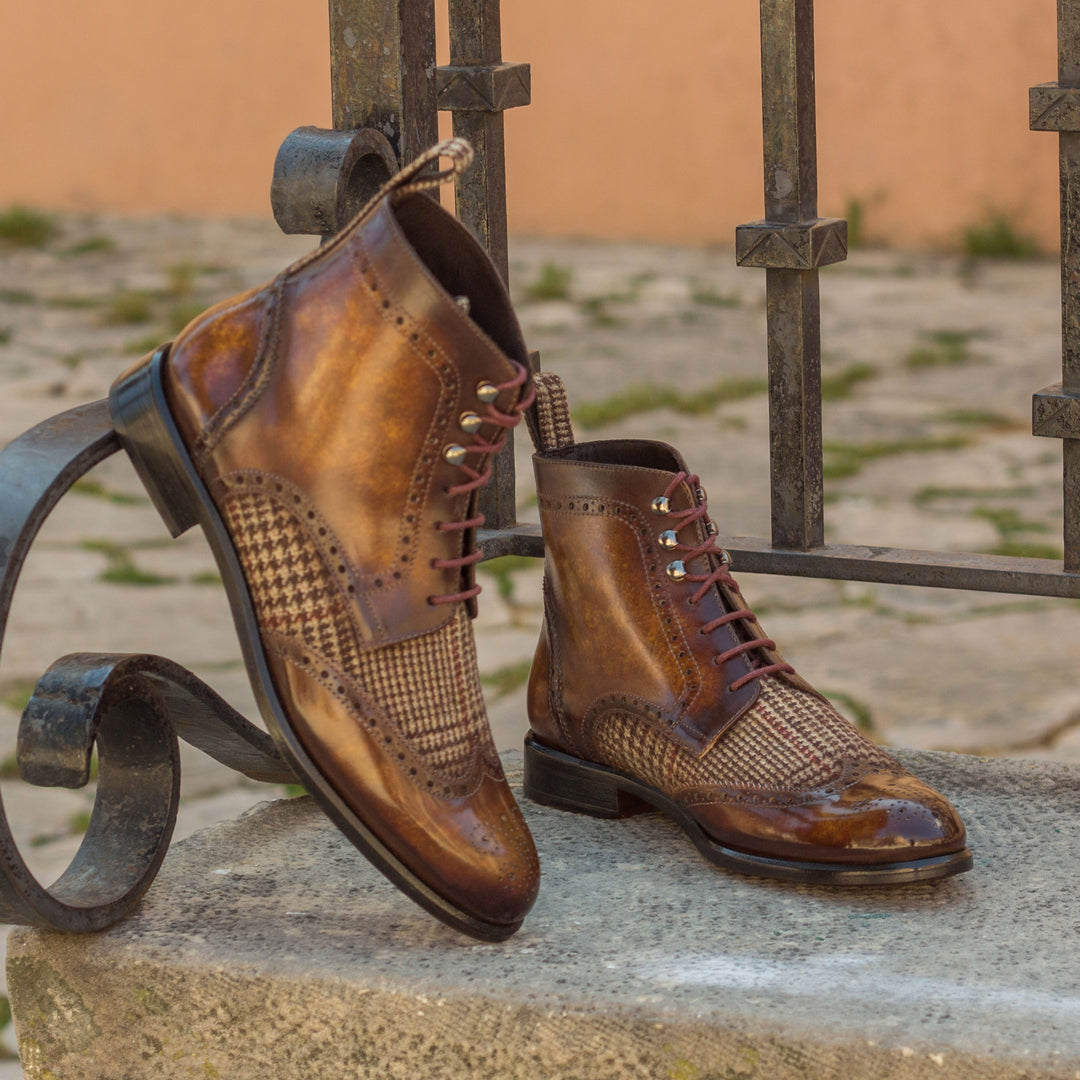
[613, 611]
[332, 394]
[623, 642]
[347, 377]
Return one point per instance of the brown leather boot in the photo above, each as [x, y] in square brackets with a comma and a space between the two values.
[330, 431]
[654, 686]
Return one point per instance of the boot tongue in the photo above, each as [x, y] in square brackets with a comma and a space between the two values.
[694, 495]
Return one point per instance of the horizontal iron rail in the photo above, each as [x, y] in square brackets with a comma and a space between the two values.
[853, 562]
[901, 566]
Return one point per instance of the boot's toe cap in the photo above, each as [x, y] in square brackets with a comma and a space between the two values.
[881, 818]
[480, 852]
[465, 841]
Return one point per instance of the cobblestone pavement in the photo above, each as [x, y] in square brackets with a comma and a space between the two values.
[929, 364]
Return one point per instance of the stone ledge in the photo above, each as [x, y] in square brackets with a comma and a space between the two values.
[268, 947]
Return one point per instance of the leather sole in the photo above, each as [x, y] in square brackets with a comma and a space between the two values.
[149, 435]
[554, 778]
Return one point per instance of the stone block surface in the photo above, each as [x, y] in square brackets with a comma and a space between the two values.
[269, 948]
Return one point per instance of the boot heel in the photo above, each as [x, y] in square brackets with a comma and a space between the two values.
[553, 778]
[141, 417]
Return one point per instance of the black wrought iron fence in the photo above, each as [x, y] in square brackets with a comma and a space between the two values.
[401, 90]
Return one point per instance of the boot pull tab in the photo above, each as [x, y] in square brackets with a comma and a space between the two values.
[549, 417]
[460, 153]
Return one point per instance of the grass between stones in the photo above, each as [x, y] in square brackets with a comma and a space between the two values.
[1010, 525]
[170, 308]
[596, 310]
[647, 397]
[95, 489]
[1025, 549]
[142, 345]
[507, 679]
[551, 283]
[75, 303]
[985, 418]
[6, 1054]
[1007, 520]
[128, 309]
[996, 235]
[120, 568]
[840, 385]
[858, 712]
[15, 694]
[927, 495]
[844, 459]
[707, 296]
[91, 245]
[20, 226]
[180, 314]
[942, 348]
[16, 296]
[503, 569]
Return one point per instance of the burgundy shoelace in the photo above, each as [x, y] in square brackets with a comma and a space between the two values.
[721, 573]
[478, 478]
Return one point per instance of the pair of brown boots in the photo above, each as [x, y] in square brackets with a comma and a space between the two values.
[330, 432]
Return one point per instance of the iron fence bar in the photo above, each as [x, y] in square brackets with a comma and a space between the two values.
[476, 87]
[791, 243]
[476, 43]
[382, 71]
[1056, 409]
[480, 201]
[1068, 13]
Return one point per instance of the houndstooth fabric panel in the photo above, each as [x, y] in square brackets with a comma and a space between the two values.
[789, 741]
[552, 412]
[293, 591]
[430, 688]
[427, 687]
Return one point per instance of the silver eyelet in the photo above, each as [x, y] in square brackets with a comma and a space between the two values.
[470, 423]
[454, 454]
[675, 570]
[668, 539]
[661, 505]
[486, 392]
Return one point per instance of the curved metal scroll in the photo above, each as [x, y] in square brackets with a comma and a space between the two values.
[132, 707]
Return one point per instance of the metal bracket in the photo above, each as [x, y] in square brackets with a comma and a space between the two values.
[804, 245]
[322, 178]
[1055, 413]
[132, 707]
[1054, 107]
[483, 87]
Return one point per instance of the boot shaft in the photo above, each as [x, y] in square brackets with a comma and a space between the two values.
[622, 625]
[353, 389]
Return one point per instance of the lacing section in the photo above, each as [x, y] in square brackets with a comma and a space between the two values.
[720, 574]
[477, 479]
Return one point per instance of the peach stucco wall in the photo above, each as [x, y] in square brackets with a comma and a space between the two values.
[645, 121]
